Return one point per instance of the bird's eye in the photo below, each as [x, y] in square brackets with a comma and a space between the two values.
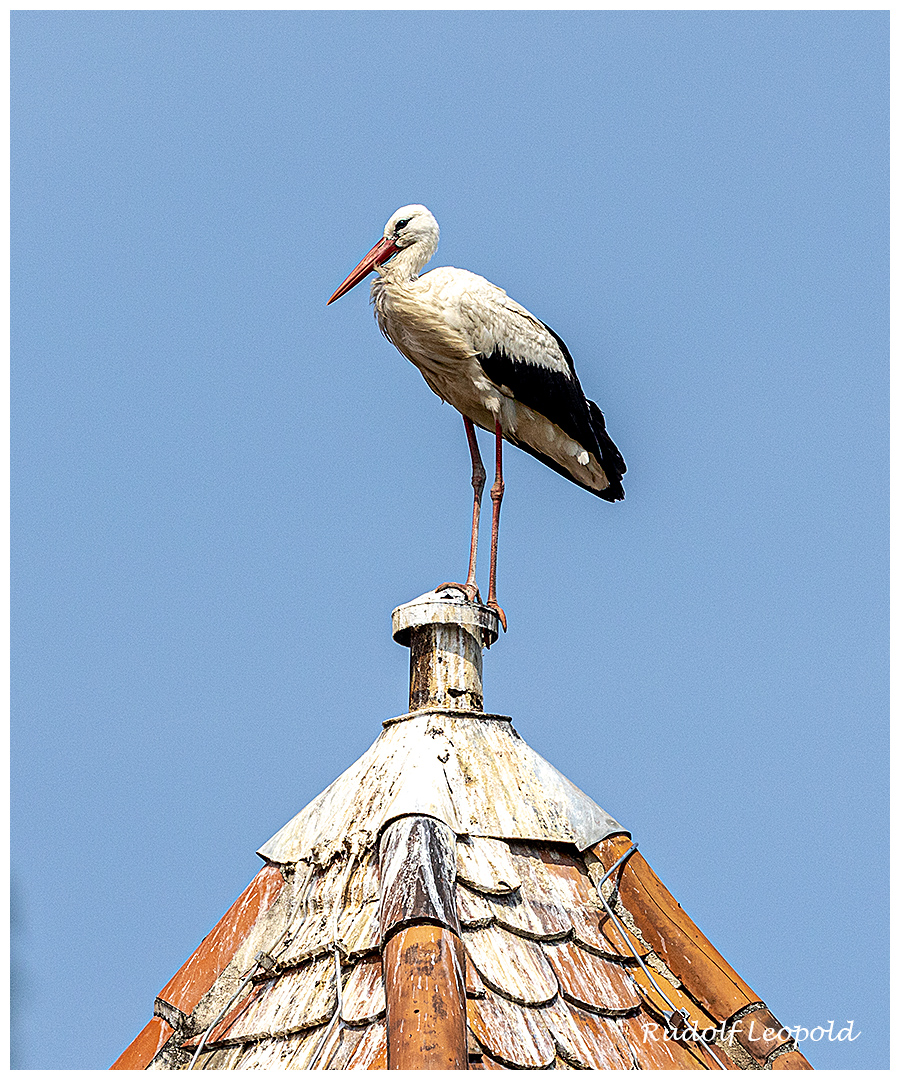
[402, 224]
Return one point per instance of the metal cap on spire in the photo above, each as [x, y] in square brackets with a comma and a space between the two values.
[445, 634]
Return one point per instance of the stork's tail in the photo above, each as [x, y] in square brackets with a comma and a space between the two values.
[610, 458]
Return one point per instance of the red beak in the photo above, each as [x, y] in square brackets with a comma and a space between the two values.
[379, 254]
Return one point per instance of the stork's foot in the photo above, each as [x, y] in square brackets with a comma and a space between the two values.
[471, 590]
[501, 614]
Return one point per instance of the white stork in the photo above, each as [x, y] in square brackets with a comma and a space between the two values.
[502, 368]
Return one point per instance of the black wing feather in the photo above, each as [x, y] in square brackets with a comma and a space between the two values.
[558, 396]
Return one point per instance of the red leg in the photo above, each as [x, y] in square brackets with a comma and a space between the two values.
[479, 476]
[496, 498]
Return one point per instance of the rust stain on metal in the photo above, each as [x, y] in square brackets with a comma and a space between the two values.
[425, 990]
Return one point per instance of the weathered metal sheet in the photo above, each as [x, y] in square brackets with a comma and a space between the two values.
[292, 1052]
[445, 607]
[590, 981]
[417, 859]
[540, 914]
[363, 994]
[486, 865]
[301, 998]
[445, 668]
[512, 965]
[586, 1041]
[472, 908]
[513, 1034]
[440, 764]
[335, 903]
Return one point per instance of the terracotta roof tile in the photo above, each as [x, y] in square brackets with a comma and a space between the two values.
[515, 1036]
[473, 909]
[652, 1047]
[586, 1040]
[486, 865]
[592, 982]
[474, 986]
[363, 993]
[517, 913]
[371, 1050]
[513, 965]
[533, 1001]
[218, 1059]
[300, 998]
[619, 943]
[349, 1048]
[688, 952]
[485, 1061]
[210, 959]
[146, 1046]
[792, 1060]
[657, 1004]
[344, 895]
[222, 1031]
[544, 914]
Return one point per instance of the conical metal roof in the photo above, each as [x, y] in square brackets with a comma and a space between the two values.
[453, 901]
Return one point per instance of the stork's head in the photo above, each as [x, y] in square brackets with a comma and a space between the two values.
[410, 227]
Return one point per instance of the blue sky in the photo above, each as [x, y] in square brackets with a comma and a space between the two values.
[221, 488]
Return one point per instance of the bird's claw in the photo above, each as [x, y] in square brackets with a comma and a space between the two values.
[471, 591]
[501, 614]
